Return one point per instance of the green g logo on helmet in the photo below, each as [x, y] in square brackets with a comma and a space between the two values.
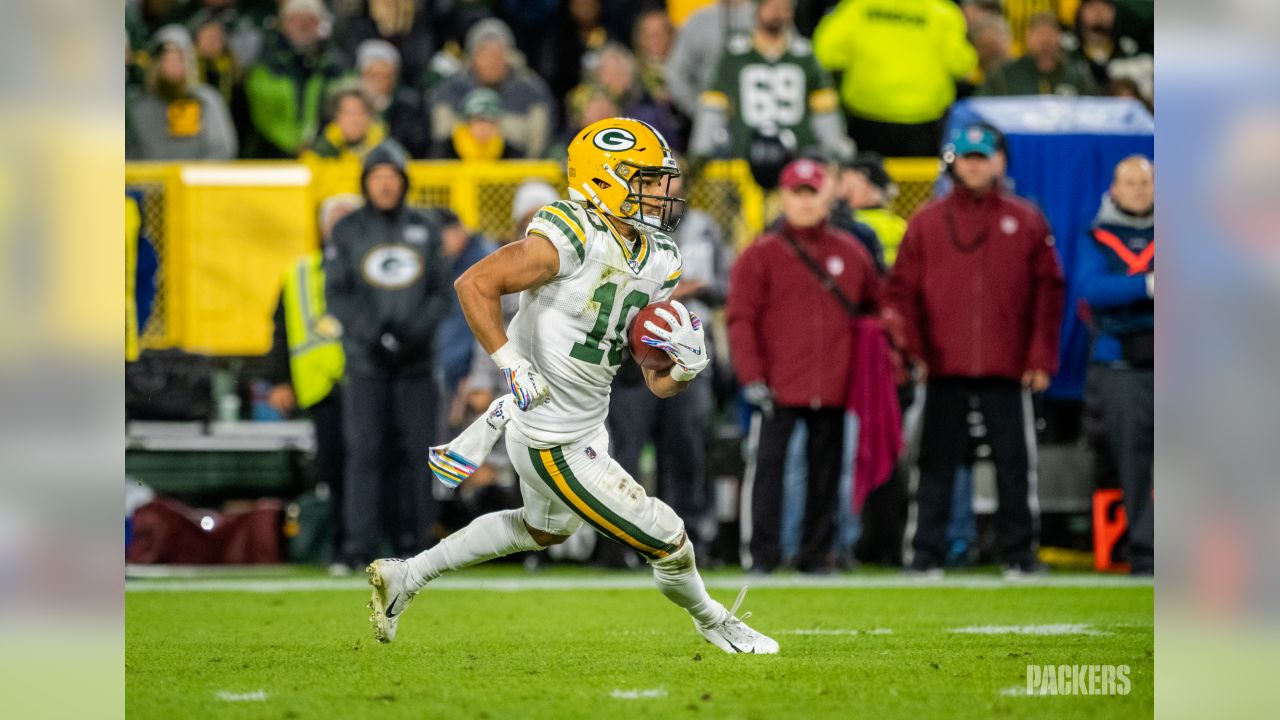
[614, 140]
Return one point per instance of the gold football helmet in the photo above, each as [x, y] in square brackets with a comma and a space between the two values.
[610, 163]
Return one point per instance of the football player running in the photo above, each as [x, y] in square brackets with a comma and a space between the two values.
[586, 266]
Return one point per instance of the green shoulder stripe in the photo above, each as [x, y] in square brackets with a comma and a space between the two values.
[576, 237]
[571, 209]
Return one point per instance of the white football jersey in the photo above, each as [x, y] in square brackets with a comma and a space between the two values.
[573, 329]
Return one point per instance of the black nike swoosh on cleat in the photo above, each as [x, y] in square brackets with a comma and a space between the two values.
[735, 647]
[390, 615]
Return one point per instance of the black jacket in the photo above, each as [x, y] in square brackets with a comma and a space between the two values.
[385, 276]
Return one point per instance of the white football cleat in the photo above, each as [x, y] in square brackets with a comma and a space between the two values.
[390, 596]
[732, 635]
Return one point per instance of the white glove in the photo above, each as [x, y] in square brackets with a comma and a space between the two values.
[685, 342]
[525, 383]
[759, 395]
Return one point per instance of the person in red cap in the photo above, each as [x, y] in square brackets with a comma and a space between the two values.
[791, 297]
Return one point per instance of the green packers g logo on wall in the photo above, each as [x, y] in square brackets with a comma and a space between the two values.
[615, 140]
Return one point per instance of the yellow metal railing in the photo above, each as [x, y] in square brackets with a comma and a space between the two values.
[224, 233]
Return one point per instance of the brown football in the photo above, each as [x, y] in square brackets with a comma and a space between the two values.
[645, 356]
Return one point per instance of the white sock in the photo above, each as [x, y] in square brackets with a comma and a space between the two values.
[485, 538]
[677, 577]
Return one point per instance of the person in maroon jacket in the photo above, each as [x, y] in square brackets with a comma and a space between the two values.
[979, 295]
[791, 340]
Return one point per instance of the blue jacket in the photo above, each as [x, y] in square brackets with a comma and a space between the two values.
[1113, 260]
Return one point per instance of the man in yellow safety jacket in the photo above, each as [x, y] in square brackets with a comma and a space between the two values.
[868, 189]
[306, 364]
[901, 60]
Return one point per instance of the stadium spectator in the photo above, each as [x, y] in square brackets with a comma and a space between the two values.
[216, 65]
[791, 341]
[615, 72]
[651, 39]
[244, 21]
[699, 43]
[530, 196]
[580, 37]
[478, 134]
[305, 365]
[285, 90]
[977, 10]
[405, 25]
[174, 116]
[978, 297]
[1116, 272]
[461, 249]
[1109, 55]
[990, 37]
[867, 189]
[901, 60]
[677, 426]
[530, 22]
[598, 105]
[354, 130]
[387, 284]
[1045, 69]
[528, 110]
[769, 86]
[399, 106]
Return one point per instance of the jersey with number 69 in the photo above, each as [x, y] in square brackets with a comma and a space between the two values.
[573, 328]
[761, 93]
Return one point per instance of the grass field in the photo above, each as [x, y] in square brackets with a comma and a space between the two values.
[500, 643]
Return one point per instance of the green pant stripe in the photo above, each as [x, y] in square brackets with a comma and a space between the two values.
[602, 509]
[536, 459]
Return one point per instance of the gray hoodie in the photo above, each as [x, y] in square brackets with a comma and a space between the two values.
[194, 125]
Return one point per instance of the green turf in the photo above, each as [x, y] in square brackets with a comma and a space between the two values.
[563, 653]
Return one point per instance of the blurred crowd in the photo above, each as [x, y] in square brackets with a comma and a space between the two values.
[832, 329]
[492, 79]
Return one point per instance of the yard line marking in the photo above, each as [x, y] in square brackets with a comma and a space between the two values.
[650, 694]
[227, 695]
[1052, 629]
[627, 582]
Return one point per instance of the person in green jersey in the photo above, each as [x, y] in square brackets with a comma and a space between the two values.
[769, 84]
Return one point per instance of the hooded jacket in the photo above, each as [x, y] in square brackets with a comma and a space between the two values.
[978, 287]
[1113, 261]
[785, 327]
[386, 276]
